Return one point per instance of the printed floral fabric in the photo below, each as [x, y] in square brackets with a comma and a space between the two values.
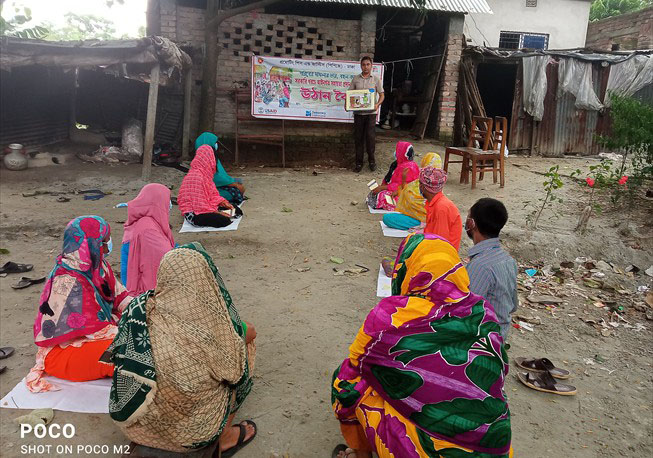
[425, 374]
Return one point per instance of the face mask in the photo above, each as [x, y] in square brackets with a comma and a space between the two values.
[109, 246]
[469, 228]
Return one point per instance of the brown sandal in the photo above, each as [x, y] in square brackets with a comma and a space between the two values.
[546, 383]
[542, 365]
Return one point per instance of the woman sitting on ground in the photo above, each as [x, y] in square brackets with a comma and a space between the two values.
[79, 308]
[198, 199]
[410, 202]
[403, 170]
[183, 360]
[147, 237]
[230, 188]
[425, 374]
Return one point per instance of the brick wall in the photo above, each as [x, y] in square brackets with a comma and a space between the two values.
[273, 35]
[631, 31]
[449, 87]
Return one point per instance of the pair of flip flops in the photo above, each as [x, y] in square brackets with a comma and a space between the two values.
[15, 268]
[24, 282]
[543, 376]
[5, 352]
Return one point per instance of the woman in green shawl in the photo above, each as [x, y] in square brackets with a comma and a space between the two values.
[230, 188]
[183, 360]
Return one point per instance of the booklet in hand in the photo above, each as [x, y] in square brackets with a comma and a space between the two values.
[372, 185]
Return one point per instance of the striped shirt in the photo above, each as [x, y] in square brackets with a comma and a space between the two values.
[493, 275]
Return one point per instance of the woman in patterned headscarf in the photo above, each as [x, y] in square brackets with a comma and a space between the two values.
[410, 202]
[183, 360]
[425, 374]
[79, 308]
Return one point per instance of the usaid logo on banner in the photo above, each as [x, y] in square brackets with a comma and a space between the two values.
[308, 113]
[319, 114]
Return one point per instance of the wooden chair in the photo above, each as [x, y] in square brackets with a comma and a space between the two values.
[479, 140]
[491, 160]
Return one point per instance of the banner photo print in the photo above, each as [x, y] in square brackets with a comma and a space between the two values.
[303, 89]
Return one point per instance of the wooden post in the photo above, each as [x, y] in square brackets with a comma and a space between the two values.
[185, 138]
[150, 122]
[533, 126]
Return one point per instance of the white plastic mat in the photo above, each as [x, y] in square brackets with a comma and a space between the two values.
[84, 397]
[390, 232]
[383, 284]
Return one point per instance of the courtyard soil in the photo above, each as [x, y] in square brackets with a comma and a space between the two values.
[306, 319]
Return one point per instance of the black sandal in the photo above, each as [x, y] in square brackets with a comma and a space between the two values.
[15, 268]
[241, 439]
[6, 352]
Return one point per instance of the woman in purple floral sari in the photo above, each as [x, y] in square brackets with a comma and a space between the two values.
[425, 375]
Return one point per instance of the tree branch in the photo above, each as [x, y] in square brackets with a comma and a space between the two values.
[226, 14]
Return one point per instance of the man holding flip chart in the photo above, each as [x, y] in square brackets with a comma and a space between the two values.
[365, 120]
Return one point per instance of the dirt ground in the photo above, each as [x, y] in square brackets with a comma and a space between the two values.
[306, 320]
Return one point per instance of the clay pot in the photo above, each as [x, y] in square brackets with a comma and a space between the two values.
[15, 160]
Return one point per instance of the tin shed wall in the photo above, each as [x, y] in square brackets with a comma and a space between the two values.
[564, 129]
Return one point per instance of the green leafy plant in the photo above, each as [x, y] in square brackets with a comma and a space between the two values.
[551, 185]
[18, 24]
[602, 9]
[632, 137]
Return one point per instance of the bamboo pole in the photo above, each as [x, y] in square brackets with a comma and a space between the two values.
[150, 122]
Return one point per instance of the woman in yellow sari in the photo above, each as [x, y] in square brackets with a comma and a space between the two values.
[425, 374]
[411, 210]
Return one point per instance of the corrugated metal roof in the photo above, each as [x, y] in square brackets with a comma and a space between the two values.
[452, 6]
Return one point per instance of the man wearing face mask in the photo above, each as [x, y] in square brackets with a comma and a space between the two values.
[492, 271]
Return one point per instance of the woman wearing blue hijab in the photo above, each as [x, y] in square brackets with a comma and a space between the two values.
[230, 188]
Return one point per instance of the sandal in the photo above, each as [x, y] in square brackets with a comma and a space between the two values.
[24, 282]
[241, 442]
[14, 268]
[542, 365]
[546, 383]
[6, 352]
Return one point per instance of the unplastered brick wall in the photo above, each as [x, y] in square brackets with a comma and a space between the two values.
[282, 36]
[449, 87]
[630, 31]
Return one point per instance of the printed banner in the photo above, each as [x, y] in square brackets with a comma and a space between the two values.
[303, 89]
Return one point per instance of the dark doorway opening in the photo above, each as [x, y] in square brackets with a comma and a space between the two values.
[401, 36]
[496, 83]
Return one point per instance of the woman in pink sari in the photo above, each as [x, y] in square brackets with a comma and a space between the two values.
[147, 237]
[402, 171]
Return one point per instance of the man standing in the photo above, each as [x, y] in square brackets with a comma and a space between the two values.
[442, 215]
[492, 271]
[365, 121]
